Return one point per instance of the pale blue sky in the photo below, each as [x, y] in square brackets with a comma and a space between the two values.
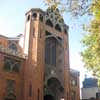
[12, 20]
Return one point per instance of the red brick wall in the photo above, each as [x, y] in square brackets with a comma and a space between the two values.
[17, 77]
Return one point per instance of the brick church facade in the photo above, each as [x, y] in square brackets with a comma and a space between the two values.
[40, 69]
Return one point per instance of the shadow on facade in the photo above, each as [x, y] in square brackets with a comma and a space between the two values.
[48, 97]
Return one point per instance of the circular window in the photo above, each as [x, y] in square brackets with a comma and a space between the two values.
[74, 82]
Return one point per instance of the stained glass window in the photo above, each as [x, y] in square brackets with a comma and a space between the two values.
[50, 51]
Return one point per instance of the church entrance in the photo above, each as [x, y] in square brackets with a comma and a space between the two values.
[53, 89]
[48, 97]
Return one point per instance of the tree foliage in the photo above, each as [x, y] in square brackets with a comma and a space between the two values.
[91, 42]
[76, 7]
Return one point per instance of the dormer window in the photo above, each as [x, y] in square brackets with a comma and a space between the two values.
[49, 23]
[13, 47]
[57, 27]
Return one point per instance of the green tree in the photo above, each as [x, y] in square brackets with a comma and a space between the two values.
[75, 7]
[91, 42]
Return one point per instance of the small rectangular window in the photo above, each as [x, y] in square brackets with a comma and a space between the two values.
[33, 32]
[30, 90]
[10, 86]
[73, 95]
[98, 95]
[38, 94]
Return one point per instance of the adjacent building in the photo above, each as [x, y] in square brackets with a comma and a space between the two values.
[90, 90]
[75, 85]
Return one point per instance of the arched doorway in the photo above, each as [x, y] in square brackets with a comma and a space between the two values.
[48, 97]
[53, 89]
[55, 85]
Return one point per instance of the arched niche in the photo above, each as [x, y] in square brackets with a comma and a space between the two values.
[55, 84]
[58, 28]
[49, 23]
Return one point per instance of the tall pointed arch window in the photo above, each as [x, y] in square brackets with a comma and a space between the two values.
[49, 23]
[50, 51]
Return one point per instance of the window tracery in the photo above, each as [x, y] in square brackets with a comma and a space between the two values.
[55, 17]
[50, 51]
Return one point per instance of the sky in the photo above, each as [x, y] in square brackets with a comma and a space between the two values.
[12, 23]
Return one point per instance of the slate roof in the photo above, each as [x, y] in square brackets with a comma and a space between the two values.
[90, 82]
